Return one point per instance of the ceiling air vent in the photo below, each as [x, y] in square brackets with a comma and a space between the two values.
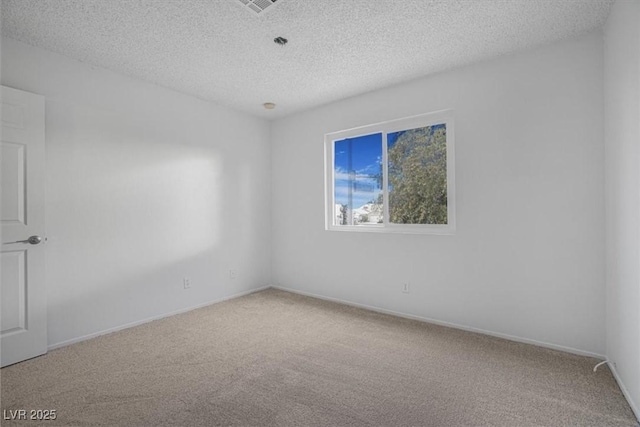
[258, 7]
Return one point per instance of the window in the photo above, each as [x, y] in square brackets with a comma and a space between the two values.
[396, 176]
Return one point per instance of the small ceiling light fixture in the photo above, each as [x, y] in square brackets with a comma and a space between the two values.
[281, 41]
[269, 105]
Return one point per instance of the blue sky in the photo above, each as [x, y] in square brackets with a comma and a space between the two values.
[363, 155]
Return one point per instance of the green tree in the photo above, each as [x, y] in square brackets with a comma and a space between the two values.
[418, 177]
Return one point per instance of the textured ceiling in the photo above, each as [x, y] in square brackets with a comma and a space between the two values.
[218, 50]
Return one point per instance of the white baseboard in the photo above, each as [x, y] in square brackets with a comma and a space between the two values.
[150, 319]
[449, 324]
[625, 392]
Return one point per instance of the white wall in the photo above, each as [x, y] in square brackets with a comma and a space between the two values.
[622, 176]
[528, 257]
[145, 186]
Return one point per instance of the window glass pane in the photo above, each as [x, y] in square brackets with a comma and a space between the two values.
[358, 180]
[417, 167]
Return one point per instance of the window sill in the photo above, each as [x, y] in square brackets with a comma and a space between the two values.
[395, 229]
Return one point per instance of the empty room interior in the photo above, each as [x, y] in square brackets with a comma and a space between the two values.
[320, 213]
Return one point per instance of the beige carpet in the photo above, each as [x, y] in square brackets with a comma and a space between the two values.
[276, 358]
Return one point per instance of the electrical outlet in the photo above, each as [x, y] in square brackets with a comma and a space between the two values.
[405, 288]
[233, 274]
[186, 283]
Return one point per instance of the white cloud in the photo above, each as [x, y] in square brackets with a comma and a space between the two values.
[361, 175]
[359, 198]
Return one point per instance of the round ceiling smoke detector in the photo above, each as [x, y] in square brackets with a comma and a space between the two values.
[281, 41]
[269, 105]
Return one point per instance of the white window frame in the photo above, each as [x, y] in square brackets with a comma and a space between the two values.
[423, 120]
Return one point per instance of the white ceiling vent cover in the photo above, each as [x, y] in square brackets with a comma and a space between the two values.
[258, 7]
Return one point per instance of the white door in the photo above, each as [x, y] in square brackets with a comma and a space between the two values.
[23, 310]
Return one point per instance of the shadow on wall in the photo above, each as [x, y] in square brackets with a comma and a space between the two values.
[137, 297]
[126, 215]
[127, 220]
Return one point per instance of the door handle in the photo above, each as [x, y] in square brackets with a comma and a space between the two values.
[33, 240]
